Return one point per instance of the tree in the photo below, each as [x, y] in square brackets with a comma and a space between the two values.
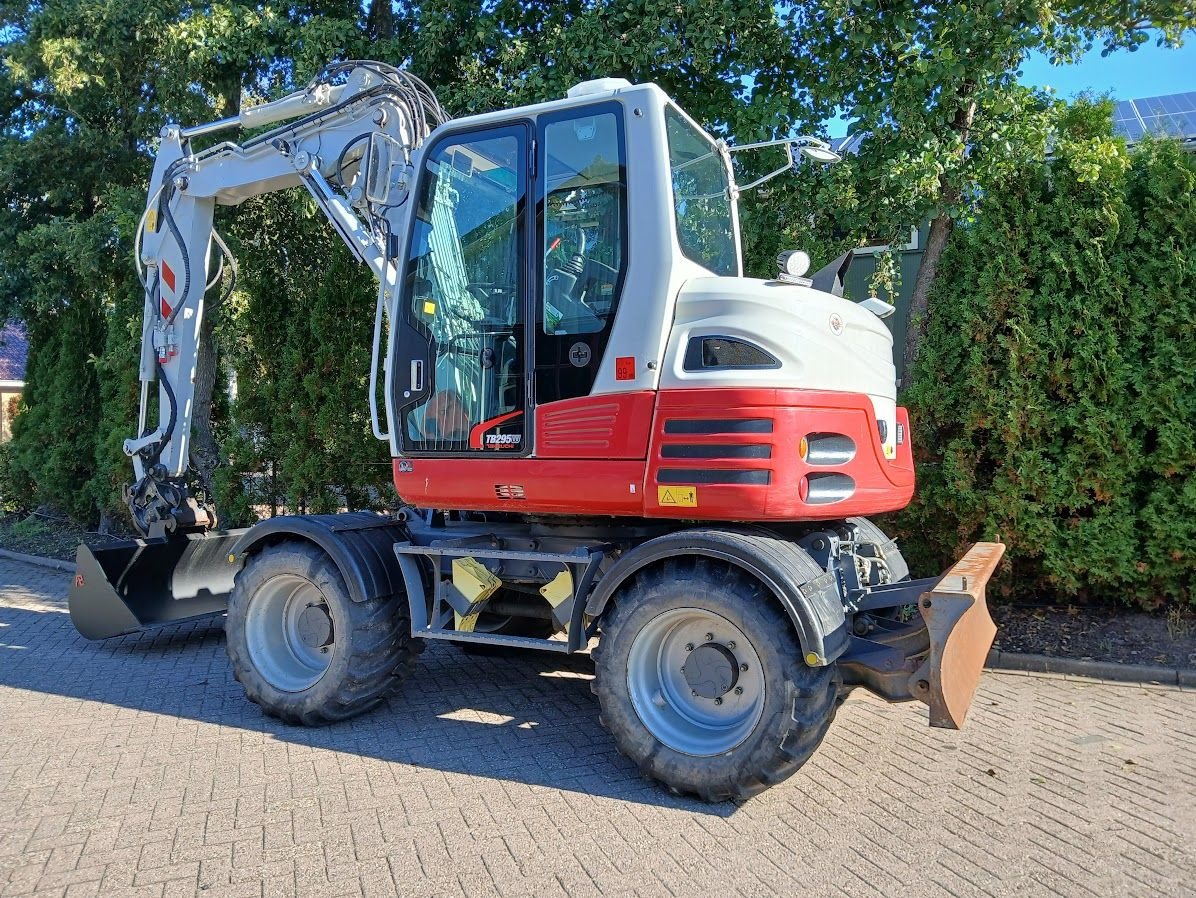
[1056, 399]
[85, 87]
[935, 87]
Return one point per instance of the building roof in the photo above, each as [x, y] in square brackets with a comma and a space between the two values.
[14, 350]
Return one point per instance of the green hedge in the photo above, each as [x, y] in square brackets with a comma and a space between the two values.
[1054, 402]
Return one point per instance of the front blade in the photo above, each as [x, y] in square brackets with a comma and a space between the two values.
[961, 633]
[142, 583]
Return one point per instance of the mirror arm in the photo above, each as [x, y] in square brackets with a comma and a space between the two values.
[789, 143]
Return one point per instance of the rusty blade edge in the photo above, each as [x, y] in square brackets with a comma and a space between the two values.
[961, 633]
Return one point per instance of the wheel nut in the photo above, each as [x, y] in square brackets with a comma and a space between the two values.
[739, 690]
[743, 667]
[710, 637]
[730, 645]
[689, 646]
[718, 701]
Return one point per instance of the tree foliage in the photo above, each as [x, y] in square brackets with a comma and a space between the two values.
[935, 87]
[1056, 404]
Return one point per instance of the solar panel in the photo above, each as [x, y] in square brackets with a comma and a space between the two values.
[1171, 115]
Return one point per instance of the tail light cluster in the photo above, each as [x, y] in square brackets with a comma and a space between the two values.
[826, 450]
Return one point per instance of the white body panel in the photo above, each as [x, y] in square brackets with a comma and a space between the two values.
[822, 342]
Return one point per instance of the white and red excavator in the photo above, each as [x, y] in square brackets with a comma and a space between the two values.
[605, 436]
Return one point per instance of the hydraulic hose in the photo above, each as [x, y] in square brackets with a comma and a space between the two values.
[174, 415]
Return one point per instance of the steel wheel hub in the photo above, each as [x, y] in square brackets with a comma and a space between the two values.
[696, 681]
[290, 632]
[711, 670]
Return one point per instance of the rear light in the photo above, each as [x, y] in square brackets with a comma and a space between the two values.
[828, 449]
[803, 449]
[803, 488]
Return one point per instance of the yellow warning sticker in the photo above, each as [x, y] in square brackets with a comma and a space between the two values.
[429, 307]
[151, 221]
[677, 496]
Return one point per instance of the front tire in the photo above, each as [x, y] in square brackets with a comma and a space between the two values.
[702, 683]
[304, 651]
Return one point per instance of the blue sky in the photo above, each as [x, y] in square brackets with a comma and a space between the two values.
[1149, 71]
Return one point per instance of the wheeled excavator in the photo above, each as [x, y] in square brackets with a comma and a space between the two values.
[604, 437]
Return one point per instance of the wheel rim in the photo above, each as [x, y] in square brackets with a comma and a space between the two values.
[290, 633]
[696, 681]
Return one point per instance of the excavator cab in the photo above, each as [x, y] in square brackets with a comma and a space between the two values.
[510, 278]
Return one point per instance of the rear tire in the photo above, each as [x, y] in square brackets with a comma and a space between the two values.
[304, 651]
[688, 727]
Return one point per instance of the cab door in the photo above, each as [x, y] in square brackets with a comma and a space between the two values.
[461, 350]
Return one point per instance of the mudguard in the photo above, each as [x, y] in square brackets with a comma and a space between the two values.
[360, 543]
[809, 594]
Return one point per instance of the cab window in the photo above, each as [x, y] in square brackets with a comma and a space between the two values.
[701, 197]
[583, 202]
[584, 196]
[464, 276]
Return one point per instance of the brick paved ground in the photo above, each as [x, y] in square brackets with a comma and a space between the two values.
[136, 767]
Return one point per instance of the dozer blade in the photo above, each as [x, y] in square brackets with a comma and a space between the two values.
[961, 633]
[144, 583]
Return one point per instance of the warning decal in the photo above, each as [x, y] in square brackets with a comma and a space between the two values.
[677, 496]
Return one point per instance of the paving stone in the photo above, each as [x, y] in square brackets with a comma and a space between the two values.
[137, 767]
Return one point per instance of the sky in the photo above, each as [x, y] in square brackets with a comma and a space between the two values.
[1149, 71]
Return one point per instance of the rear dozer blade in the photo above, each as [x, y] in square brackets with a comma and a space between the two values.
[961, 633]
[144, 583]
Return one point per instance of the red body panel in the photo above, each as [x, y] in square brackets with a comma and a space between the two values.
[754, 434]
[616, 425]
[724, 455]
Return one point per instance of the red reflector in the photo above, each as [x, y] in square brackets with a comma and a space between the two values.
[803, 488]
[168, 276]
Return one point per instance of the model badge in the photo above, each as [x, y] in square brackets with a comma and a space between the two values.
[405, 467]
[836, 323]
[504, 440]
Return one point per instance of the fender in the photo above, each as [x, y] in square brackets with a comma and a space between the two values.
[359, 543]
[808, 594]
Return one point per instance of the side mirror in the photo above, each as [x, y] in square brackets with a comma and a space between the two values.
[823, 154]
[385, 160]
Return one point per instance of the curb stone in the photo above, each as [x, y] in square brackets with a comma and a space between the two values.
[1097, 670]
[997, 660]
[39, 560]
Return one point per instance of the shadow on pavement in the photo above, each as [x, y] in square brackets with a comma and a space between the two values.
[527, 718]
